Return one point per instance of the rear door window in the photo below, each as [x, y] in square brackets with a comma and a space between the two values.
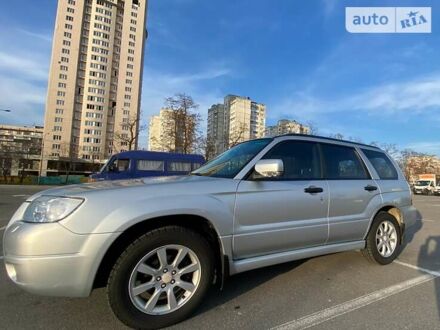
[382, 164]
[343, 163]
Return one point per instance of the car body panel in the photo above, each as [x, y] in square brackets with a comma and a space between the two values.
[351, 208]
[258, 223]
[286, 218]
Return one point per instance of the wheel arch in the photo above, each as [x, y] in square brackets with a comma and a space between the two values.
[197, 223]
[395, 212]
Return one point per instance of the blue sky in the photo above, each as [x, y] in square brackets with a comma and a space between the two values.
[294, 56]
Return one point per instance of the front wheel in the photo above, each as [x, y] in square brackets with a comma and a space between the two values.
[161, 278]
[383, 240]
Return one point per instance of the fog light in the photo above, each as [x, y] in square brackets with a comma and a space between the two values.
[10, 269]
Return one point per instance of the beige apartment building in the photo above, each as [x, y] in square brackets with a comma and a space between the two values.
[95, 78]
[285, 126]
[160, 131]
[216, 133]
[20, 149]
[238, 119]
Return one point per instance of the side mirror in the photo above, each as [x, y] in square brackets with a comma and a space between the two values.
[270, 168]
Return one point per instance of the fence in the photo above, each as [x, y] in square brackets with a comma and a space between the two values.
[44, 180]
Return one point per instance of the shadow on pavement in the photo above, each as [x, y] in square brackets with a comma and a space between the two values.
[429, 258]
[241, 283]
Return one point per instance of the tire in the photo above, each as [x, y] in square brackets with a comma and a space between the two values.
[384, 224]
[139, 267]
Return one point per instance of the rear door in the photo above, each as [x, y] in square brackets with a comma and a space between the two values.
[392, 183]
[353, 193]
[286, 213]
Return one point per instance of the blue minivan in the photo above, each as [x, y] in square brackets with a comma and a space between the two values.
[137, 164]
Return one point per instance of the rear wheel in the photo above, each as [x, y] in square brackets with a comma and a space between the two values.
[161, 278]
[383, 240]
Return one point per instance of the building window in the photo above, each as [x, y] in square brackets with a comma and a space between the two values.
[59, 111]
[69, 18]
[58, 119]
[71, 2]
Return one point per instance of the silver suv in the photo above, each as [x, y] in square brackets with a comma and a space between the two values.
[158, 244]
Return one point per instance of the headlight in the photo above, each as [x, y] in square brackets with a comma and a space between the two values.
[50, 209]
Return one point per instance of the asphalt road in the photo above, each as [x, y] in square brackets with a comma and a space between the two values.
[339, 291]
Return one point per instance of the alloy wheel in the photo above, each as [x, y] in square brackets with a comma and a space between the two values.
[164, 280]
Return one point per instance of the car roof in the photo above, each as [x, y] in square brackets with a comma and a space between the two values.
[158, 155]
[329, 139]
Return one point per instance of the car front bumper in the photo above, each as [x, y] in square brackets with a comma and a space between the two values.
[48, 259]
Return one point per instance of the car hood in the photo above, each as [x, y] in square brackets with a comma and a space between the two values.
[171, 183]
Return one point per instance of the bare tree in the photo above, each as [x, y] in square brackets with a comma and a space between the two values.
[28, 149]
[238, 135]
[128, 134]
[6, 156]
[181, 128]
[337, 136]
[67, 158]
[313, 129]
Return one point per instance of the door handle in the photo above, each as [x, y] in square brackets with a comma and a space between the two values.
[313, 190]
[370, 188]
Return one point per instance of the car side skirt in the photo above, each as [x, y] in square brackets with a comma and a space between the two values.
[243, 265]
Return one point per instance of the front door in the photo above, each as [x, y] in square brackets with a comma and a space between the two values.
[286, 213]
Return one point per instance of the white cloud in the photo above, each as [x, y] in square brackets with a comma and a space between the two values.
[429, 147]
[29, 67]
[42, 36]
[25, 99]
[415, 96]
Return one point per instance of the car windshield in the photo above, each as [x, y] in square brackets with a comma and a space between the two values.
[106, 164]
[423, 183]
[230, 163]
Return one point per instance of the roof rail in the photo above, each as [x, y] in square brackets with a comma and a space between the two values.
[328, 138]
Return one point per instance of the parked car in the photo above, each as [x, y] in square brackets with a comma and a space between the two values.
[138, 164]
[158, 244]
[437, 189]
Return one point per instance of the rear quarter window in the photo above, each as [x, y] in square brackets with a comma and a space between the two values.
[382, 164]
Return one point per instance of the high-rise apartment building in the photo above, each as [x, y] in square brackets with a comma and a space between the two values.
[238, 119]
[95, 77]
[285, 126]
[216, 133]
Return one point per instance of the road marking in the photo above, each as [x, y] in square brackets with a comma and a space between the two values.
[357, 303]
[20, 195]
[420, 269]
[427, 220]
[2, 228]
